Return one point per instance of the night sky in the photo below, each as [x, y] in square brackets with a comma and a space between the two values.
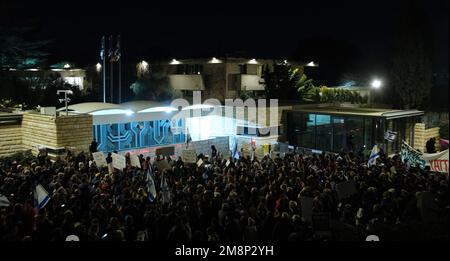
[355, 36]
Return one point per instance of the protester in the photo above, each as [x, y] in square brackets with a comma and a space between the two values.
[244, 200]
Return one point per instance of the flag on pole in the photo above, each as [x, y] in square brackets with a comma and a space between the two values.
[373, 156]
[41, 196]
[110, 50]
[102, 50]
[235, 150]
[151, 190]
[165, 193]
[117, 53]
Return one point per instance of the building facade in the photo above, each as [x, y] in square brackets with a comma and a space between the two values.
[219, 78]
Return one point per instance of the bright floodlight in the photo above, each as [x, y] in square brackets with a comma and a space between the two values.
[253, 61]
[98, 67]
[174, 61]
[215, 60]
[376, 84]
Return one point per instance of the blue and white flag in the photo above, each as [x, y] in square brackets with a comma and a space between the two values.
[373, 156]
[235, 150]
[41, 196]
[151, 190]
[165, 193]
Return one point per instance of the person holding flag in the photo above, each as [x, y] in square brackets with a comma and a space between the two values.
[151, 190]
[165, 193]
[373, 156]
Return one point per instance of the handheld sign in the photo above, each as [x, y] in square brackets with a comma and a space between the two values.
[259, 153]
[162, 165]
[135, 162]
[99, 159]
[119, 161]
[189, 156]
[228, 163]
[199, 162]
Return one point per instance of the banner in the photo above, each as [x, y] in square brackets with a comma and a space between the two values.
[436, 161]
[118, 161]
[189, 156]
[99, 159]
[134, 160]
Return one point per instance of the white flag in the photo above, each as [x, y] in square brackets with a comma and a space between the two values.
[4, 202]
[41, 196]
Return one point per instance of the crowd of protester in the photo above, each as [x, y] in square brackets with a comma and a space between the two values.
[224, 199]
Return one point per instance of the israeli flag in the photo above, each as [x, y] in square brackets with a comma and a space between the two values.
[165, 193]
[151, 190]
[41, 196]
[373, 156]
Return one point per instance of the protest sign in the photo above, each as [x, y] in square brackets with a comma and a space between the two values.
[189, 156]
[99, 159]
[199, 162]
[259, 153]
[162, 165]
[118, 161]
[134, 160]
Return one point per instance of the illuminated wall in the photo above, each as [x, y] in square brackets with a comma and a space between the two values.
[135, 135]
[207, 127]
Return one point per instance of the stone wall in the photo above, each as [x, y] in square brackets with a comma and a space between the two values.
[422, 135]
[10, 139]
[74, 131]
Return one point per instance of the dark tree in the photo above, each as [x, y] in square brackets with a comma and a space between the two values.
[280, 82]
[152, 87]
[411, 73]
[17, 52]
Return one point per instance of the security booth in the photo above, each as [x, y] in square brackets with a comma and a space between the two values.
[333, 128]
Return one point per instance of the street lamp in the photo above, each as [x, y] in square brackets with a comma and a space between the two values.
[98, 67]
[376, 84]
[142, 68]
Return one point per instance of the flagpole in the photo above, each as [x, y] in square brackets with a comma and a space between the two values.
[120, 80]
[112, 69]
[119, 58]
[104, 69]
